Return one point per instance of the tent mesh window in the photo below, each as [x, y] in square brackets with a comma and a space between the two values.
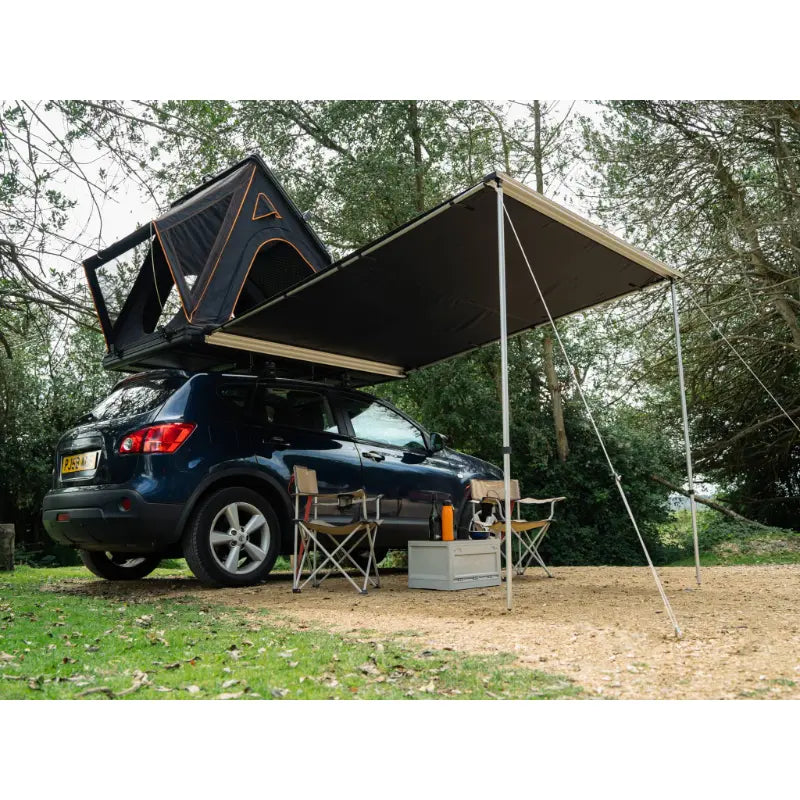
[276, 267]
[116, 278]
[199, 240]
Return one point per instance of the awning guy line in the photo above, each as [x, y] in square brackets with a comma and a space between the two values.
[616, 476]
[304, 354]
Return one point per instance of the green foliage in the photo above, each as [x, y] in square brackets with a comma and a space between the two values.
[61, 640]
[54, 377]
[711, 187]
[723, 540]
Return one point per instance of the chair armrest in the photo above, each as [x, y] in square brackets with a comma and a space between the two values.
[375, 499]
[537, 501]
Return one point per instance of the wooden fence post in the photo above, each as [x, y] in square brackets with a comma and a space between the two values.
[6, 547]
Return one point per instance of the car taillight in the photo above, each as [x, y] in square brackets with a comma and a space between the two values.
[157, 438]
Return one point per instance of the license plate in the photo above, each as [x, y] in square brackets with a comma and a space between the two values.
[79, 462]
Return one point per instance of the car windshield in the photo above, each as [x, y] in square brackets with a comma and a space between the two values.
[136, 397]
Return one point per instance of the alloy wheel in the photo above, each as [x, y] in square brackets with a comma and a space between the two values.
[239, 538]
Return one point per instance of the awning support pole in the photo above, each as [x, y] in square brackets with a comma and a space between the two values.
[501, 267]
[686, 443]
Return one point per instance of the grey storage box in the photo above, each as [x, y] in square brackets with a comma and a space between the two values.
[462, 564]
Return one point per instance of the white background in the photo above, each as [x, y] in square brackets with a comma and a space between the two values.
[398, 749]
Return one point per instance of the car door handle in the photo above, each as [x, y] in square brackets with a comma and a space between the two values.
[371, 454]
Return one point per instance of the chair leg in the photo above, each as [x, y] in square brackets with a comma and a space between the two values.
[305, 544]
[535, 547]
[331, 557]
[296, 561]
[345, 553]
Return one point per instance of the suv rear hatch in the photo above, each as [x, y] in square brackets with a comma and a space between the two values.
[88, 454]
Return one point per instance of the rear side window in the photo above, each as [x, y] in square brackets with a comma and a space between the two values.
[235, 397]
[296, 408]
[137, 397]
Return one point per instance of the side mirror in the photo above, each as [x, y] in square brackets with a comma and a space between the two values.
[438, 441]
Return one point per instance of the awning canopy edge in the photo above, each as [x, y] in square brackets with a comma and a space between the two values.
[559, 213]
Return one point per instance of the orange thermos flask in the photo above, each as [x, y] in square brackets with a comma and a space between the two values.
[447, 523]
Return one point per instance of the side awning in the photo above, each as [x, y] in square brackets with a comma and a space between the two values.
[428, 291]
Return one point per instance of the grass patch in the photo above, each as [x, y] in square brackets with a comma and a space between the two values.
[726, 542]
[57, 642]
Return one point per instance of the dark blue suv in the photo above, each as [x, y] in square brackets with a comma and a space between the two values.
[199, 466]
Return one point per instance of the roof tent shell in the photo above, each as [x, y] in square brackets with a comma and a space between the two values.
[226, 246]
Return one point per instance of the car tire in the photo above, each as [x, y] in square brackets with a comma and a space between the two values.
[119, 566]
[232, 538]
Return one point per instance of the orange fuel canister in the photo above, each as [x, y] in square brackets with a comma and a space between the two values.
[447, 523]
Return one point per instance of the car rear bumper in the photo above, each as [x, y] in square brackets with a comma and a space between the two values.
[94, 519]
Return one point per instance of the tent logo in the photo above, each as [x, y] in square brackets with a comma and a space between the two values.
[264, 208]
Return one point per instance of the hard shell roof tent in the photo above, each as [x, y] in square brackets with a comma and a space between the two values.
[219, 250]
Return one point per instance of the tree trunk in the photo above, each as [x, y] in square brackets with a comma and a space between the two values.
[416, 138]
[562, 445]
[6, 547]
[537, 146]
[710, 503]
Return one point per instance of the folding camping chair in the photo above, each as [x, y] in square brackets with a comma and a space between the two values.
[488, 499]
[337, 541]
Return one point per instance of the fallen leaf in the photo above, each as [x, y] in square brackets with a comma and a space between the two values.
[145, 621]
[229, 683]
[67, 660]
[6, 657]
[174, 665]
[193, 689]
[229, 695]
[279, 692]
[369, 668]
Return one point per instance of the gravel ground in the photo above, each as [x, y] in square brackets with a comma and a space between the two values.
[605, 627]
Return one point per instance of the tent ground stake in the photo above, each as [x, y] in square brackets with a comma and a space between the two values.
[686, 443]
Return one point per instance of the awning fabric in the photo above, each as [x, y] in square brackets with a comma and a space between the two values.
[429, 290]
